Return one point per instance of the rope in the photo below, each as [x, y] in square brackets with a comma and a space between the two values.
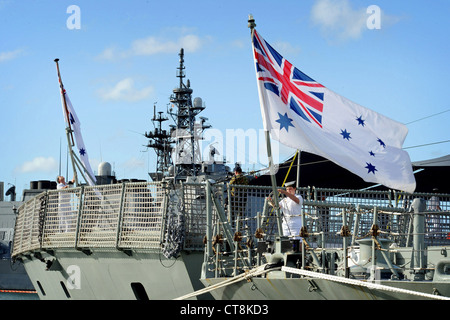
[369, 285]
[244, 276]
[261, 270]
[290, 167]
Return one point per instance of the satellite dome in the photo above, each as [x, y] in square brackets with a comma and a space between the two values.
[198, 102]
[104, 169]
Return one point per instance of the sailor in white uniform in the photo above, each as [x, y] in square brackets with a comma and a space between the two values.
[64, 204]
[291, 207]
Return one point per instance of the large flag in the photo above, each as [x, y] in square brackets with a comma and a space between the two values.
[75, 124]
[303, 114]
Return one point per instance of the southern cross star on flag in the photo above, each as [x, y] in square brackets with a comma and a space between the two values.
[303, 114]
[76, 127]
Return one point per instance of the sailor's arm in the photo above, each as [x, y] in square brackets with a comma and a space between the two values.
[290, 195]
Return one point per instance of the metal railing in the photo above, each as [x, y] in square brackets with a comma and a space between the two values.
[108, 216]
[332, 219]
[136, 216]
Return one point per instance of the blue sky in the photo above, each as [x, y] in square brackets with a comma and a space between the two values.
[123, 59]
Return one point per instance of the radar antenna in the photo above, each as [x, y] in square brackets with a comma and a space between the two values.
[161, 141]
[184, 158]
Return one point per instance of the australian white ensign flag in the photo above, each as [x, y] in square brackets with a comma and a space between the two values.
[303, 114]
[75, 125]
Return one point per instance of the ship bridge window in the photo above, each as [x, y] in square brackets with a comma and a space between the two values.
[139, 291]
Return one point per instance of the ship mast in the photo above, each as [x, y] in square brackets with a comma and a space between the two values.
[161, 141]
[187, 132]
[184, 158]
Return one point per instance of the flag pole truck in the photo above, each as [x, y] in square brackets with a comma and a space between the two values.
[76, 163]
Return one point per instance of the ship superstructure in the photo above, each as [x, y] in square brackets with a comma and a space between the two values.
[178, 149]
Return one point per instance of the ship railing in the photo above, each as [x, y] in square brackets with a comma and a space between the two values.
[117, 216]
[332, 218]
[127, 215]
[195, 206]
[135, 215]
[29, 225]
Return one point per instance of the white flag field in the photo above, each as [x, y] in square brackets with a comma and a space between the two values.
[303, 114]
[76, 127]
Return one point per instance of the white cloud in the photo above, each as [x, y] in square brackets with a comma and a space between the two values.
[153, 45]
[108, 54]
[124, 90]
[4, 56]
[338, 19]
[39, 164]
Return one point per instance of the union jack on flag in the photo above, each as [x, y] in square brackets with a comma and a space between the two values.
[303, 95]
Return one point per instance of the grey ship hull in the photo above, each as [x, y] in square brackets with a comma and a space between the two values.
[114, 275]
[319, 289]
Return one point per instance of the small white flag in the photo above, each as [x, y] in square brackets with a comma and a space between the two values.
[75, 125]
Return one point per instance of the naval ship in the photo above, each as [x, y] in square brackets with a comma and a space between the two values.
[126, 239]
[191, 234]
[159, 240]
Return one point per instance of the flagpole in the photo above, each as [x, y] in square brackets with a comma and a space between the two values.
[59, 172]
[252, 25]
[297, 183]
[68, 128]
[63, 97]
[81, 168]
